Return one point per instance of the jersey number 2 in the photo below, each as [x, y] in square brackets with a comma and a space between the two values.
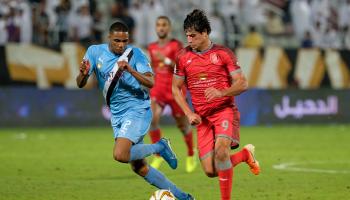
[125, 127]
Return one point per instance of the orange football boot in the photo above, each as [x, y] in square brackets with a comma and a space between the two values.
[251, 161]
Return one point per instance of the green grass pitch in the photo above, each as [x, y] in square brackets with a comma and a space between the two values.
[77, 163]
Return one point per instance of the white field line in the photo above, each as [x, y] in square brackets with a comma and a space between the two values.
[24, 136]
[294, 167]
[20, 136]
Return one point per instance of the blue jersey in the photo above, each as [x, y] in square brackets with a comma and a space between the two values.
[128, 93]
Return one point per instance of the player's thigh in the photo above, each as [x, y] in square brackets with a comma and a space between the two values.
[205, 139]
[226, 125]
[133, 125]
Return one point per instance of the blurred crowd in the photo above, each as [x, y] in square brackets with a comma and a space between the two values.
[249, 23]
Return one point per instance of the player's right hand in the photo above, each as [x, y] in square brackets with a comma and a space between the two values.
[84, 67]
[194, 119]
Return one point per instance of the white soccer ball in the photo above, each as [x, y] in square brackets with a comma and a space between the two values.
[162, 195]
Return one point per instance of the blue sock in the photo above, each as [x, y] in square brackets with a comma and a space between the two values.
[140, 151]
[157, 179]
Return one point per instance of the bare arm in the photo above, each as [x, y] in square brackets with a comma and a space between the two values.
[239, 85]
[145, 79]
[177, 84]
[83, 75]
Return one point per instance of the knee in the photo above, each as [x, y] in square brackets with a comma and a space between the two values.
[209, 171]
[222, 153]
[211, 174]
[154, 125]
[184, 128]
[121, 157]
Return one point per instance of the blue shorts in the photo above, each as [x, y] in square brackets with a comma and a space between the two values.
[133, 124]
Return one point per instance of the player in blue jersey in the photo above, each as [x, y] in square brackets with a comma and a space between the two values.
[125, 76]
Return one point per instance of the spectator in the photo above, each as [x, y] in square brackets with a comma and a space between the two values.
[301, 17]
[3, 31]
[40, 25]
[82, 26]
[13, 25]
[236, 29]
[274, 25]
[320, 11]
[317, 34]
[62, 24]
[156, 8]
[307, 40]
[253, 13]
[344, 14]
[26, 27]
[98, 26]
[4, 9]
[253, 39]
[230, 11]
[53, 20]
[346, 38]
[229, 8]
[216, 22]
[138, 14]
[331, 38]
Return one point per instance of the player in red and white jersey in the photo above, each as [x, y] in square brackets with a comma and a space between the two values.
[213, 77]
[163, 53]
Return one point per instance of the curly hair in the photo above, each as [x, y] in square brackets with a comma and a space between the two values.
[198, 21]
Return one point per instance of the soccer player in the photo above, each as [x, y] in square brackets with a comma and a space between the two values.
[125, 77]
[213, 77]
[162, 54]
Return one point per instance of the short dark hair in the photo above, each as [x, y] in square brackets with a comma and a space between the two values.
[198, 21]
[118, 27]
[164, 17]
[252, 28]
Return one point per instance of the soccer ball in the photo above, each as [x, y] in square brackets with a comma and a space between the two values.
[162, 195]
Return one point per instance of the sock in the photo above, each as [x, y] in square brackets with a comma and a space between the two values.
[225, 180]
[225, 173]
[239, 157]
[140, 151]
[155, 135]
[157, 179]
[189, 143]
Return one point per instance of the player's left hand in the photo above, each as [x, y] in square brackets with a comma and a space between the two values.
[212, 93]
[123, 65]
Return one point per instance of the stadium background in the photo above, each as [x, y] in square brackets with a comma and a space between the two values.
[294, 52]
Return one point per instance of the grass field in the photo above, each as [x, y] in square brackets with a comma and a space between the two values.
[77, 163]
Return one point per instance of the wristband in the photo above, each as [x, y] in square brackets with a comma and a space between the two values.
[167, 61]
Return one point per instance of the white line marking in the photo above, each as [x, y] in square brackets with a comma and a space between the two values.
[294, 167]
[20, 136]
